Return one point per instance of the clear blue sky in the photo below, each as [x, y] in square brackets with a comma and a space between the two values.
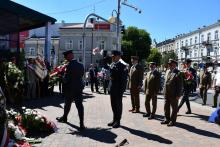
[163, 19]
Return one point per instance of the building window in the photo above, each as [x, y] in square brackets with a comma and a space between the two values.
[195, 53]
[177, 45]
[190, 41]
[186, 43]
[201, 52]
[32, 51]
[102, 45]
[196, 40]
[69, 45]
[216, 35]
[202, 38]
[181, 55]
[80, 45]
[208, 36]
[181, 43]
[190, 54]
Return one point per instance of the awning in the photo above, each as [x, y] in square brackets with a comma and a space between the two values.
[16, 18]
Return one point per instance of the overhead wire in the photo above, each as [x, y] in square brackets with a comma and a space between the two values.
[78, 9]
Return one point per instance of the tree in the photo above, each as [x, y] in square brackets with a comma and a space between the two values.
[154, 56]
[167, 56]
[135, 42]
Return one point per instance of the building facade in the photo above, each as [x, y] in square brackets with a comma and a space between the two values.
[199, 45]
[166, 46]
[98, 36]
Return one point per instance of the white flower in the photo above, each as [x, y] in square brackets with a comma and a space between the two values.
[23, 108]
[37, 118]
[18, 134]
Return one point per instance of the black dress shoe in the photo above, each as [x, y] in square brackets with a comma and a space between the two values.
[214, 106]
[116, 125]
[111, 123]
[82, 127]
[170, 124]
[188, 112]
[203, 104]
[165, 122]
[146, 115]
[61, 119]
[151, 117]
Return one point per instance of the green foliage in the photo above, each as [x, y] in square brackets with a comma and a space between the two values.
[135, 42]
[154, 56]
[167, 56]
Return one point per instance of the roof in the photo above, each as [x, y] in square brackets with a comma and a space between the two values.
[16, 18]
[78, 26]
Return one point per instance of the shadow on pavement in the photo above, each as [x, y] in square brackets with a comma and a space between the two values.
[55, 100]
[98, 134]
[87, 95]
[202, 117]
[196, 130]
[147, 135]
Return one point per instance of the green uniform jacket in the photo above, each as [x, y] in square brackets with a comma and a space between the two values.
[205, 79]
[152, 82]
[136, 76]
[173, 84]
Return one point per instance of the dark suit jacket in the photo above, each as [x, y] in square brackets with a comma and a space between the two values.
[118, 76]
[73, 81]
[136, 76]
[173, 84]
[152, 82]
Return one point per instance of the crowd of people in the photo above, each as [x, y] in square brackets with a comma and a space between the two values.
[29, 82]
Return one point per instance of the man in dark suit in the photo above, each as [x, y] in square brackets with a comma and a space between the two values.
[118, 82]
[172, 92]
[73, 87]
[93, 72]
[135, 83]
[151, 88]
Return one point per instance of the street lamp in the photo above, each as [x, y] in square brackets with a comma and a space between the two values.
[83, 36]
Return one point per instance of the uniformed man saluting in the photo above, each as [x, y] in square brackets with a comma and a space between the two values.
[172, 92]
[118, 82]
[72, 88]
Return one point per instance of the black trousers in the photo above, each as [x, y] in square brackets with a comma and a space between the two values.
[79, 105]
[105, 86]
[94, 81]
[185, 99]
[116, 104]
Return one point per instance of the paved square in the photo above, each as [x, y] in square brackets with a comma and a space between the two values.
[192, 130]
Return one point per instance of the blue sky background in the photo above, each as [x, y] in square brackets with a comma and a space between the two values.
[163, 19]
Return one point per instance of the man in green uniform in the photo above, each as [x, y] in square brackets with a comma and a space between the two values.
[172, 92]
[135, 83]
[205, 83]
[151, 88]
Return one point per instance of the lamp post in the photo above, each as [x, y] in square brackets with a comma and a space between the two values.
[83, 36]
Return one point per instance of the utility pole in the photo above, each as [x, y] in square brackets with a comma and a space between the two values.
[118, 25]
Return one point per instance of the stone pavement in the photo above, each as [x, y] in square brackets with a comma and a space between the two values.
[191, 130]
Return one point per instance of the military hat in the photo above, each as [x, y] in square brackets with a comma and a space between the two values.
[153, 63]
[188, 61]
[135, 57]
[67, 52]
[172, 61]
[116, 53]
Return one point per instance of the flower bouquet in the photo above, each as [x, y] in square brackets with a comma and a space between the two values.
[57, 74]
[14, 83]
